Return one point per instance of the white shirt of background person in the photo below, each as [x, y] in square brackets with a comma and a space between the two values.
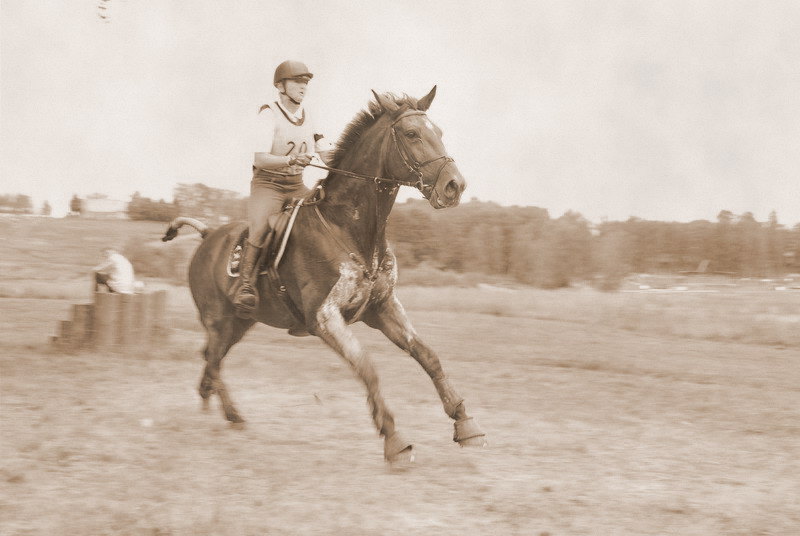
[120, 273]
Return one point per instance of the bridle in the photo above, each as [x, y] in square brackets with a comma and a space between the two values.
[412, 164]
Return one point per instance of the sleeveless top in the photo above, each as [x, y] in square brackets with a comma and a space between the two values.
[291, 137]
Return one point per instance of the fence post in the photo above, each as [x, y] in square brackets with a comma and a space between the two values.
[140, 335]
[65, 335]
[106, 306]
[157, 304]
[81, 326]
[125, 322]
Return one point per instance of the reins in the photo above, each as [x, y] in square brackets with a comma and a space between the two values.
[362, 176]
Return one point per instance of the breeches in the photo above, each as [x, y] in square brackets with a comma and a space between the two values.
[267, 198]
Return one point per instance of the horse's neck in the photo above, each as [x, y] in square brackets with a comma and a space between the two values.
[360, 207]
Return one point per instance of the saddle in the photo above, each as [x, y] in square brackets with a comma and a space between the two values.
[280, 229]
[274, 243]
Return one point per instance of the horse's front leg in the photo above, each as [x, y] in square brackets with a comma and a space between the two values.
[332, 328]
[390, 318]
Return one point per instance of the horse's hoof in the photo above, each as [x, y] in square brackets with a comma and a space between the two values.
[238, 425]
[206, 405]
[477, 441]
[468, 433]
[402, 462]
[397, 450]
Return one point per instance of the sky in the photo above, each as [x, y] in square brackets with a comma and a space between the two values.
[661, 110]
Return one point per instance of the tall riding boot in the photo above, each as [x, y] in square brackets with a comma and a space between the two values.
[246, 299]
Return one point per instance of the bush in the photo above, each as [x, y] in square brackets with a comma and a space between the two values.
[427, 275]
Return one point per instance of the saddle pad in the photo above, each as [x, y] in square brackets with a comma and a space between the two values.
[274, 245]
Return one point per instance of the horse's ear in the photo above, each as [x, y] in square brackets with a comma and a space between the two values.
[425, 102]
[388, 105]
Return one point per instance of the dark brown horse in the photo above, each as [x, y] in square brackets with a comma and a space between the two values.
[337, 267]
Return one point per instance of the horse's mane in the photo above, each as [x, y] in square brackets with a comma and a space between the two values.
[362, 121]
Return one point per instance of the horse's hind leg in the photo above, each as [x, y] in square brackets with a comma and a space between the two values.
[223, 333]
[390, 318]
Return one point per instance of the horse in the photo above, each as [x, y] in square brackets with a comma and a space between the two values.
[337, 268]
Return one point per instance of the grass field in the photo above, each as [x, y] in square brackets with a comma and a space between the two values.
[606, 414]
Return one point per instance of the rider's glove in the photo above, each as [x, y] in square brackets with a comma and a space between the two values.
[301, 160]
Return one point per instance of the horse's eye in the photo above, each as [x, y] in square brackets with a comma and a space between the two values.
[411, 134]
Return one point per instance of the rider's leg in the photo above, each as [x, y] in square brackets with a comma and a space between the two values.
[265, 199]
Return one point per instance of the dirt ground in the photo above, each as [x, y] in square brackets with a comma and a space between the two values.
[591, 431]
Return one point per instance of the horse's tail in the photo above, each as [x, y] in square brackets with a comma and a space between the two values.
[177, 223]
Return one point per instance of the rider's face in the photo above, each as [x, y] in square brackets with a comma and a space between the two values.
[295, 88]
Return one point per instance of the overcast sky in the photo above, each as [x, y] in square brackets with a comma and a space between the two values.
[664, 110]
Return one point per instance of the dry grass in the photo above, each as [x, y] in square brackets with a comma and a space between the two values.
[48, 258]
[592, 431]
[753, 317]
[593, 428]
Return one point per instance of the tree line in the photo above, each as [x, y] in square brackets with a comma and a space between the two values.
[21, 204]
[212, 205]
[527, 245]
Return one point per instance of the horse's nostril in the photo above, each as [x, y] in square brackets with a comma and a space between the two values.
[451, 190]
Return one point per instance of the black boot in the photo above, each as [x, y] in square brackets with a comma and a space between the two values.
[246, 299]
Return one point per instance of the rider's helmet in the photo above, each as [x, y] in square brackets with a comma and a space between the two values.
[292, 69]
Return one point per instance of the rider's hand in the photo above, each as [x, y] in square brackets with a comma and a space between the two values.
[302, 160]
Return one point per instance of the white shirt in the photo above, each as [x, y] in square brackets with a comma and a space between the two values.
[265, 131]
[120, 273]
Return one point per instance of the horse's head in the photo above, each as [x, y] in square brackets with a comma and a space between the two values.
[417, 152]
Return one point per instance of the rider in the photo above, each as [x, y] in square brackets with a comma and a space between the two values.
[286, 144]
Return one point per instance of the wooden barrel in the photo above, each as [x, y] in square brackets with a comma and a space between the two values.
[115, 322]
[106, 309]
[82, 318]
[124, 333]
[157, 307]
[140, 329]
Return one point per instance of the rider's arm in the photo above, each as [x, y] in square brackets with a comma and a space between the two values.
[323, 148]
[265, 133]
[271, 161]
[106, 264]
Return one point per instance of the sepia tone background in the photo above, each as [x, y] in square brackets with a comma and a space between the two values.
[617, 298]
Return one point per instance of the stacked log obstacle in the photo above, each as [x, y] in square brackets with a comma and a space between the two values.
[115, 322]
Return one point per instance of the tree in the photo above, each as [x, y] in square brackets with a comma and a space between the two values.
[612, 258]
[775, 245]
[201, 201]
[25, 204]
[16, 204]
[725, 248]
[748, 236]
[75, 204]
[144, 208]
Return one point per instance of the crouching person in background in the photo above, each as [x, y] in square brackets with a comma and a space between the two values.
[115, 273]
